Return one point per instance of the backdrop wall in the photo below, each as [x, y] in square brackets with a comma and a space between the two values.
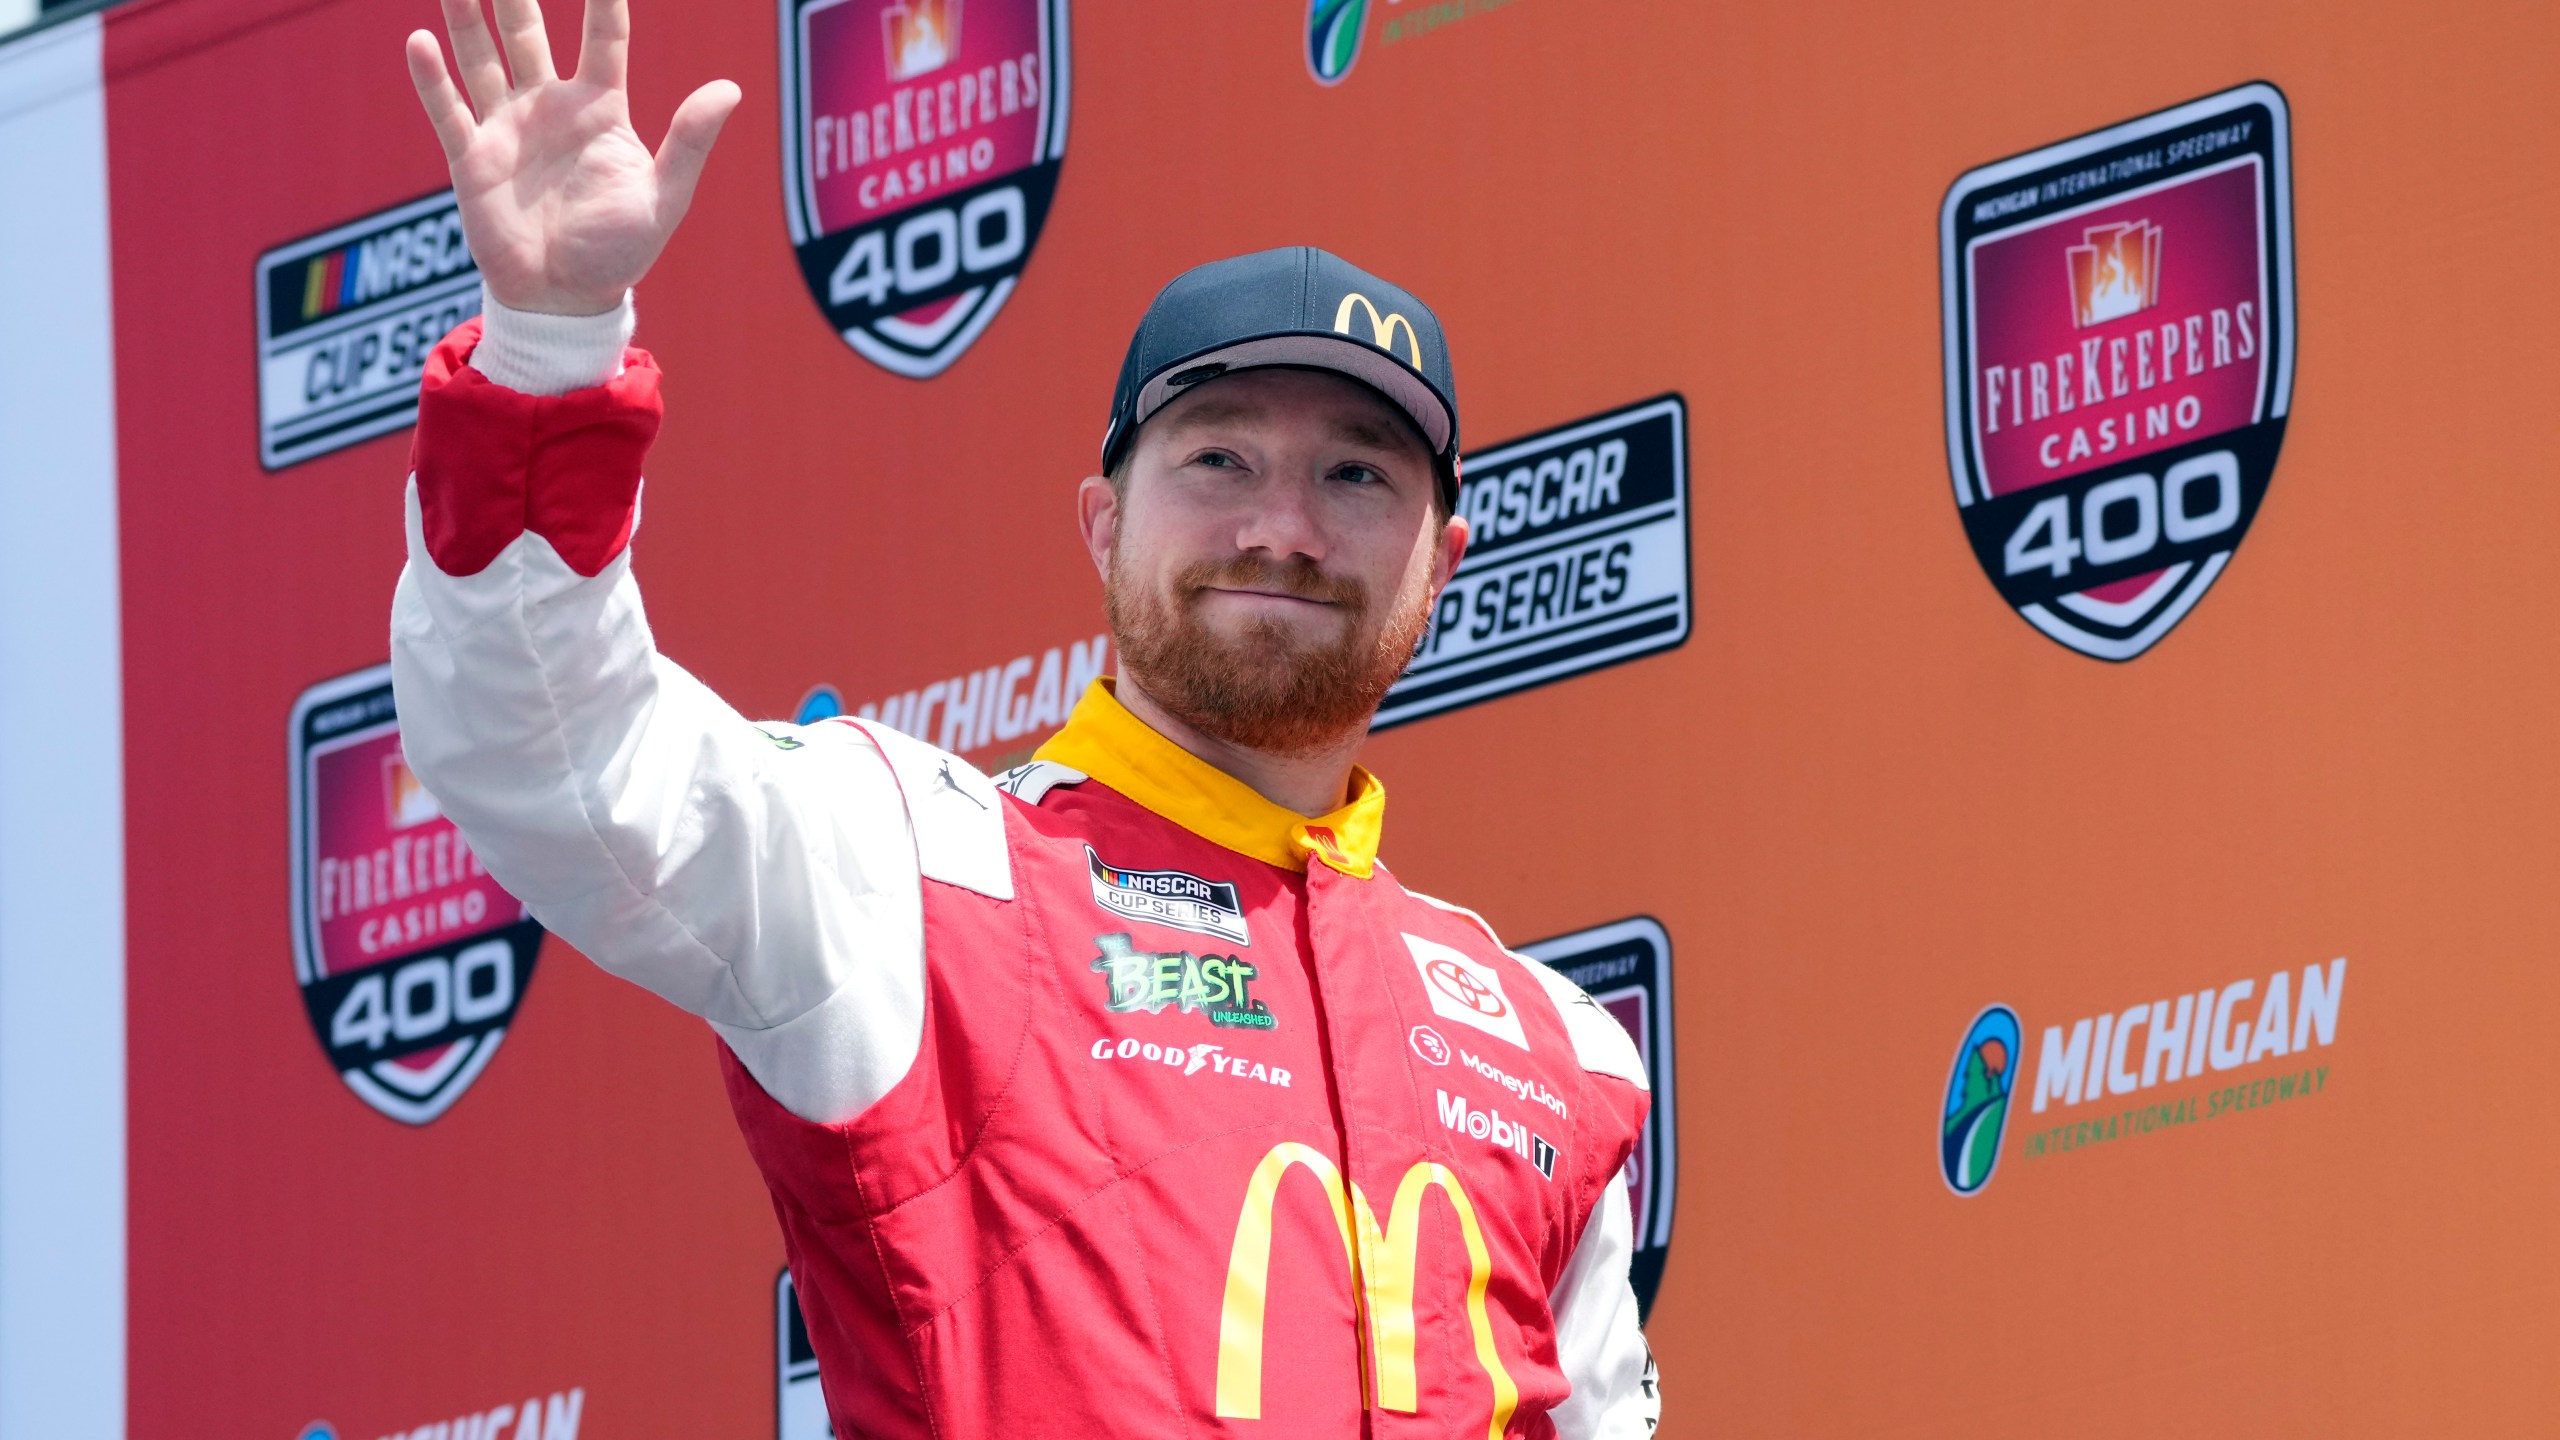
[2056, 665]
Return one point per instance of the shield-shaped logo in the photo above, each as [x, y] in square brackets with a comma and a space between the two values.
[2119, 350]
[411, 958]
[920, 150]
[1626, 969]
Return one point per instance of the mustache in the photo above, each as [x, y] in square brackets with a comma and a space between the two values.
[1300, 578]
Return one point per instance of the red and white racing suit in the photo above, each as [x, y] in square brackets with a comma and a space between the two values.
[1104, 1097]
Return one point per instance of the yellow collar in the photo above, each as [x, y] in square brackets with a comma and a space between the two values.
[1105, 741]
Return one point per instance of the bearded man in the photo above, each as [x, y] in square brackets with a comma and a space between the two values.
[1127, 1093]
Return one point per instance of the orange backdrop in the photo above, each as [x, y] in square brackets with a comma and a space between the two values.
[1863, 798]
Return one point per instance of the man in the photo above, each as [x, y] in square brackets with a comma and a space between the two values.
[1128, 1094]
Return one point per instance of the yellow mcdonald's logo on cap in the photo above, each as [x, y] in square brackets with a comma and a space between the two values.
[1382, 328]
[1382, 1265]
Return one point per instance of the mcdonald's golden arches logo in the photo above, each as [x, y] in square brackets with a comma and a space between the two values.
[1382, 328]
[1382, 1265]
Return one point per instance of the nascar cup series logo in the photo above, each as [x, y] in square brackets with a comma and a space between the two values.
[411, 958]
[2119, 352]
[920, 151]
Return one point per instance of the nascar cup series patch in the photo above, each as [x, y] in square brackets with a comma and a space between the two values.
[921, 141]
[2119, 328]
[410, 957]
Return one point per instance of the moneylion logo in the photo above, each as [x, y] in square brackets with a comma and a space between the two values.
[1977, 1109]
[1384, 1259]
[1382, 328]
[1334, 28]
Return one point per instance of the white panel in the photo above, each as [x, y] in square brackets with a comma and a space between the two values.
[62, 1133]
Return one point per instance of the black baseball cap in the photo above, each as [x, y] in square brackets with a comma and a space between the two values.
[1296, 306]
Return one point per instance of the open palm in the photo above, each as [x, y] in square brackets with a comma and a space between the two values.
[564, 207]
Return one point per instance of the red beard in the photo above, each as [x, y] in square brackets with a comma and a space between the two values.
[1263, 689]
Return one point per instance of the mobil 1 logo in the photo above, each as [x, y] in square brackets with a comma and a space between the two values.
[346, 319]
[1625, 968]
[1579, 558]
[411, 958]
[2119, 328]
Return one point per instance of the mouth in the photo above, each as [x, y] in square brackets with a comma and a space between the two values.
[1258, 593]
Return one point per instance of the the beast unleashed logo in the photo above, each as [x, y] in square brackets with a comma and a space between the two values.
[920, 149]
[411, 958]
[2119, 352]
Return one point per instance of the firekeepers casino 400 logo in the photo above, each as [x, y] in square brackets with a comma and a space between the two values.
[920, 151]
[2119, 352]
[411, 958]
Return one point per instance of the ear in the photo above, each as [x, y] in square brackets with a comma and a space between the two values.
[1453, 548]
[1098, 520]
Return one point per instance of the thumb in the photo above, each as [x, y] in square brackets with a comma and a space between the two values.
[688, 145]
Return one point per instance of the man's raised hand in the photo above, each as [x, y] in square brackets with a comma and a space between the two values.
[564, 207]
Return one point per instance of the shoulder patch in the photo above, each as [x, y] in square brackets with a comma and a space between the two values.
[952, 807]
[1028, 782]
[1600, 1043]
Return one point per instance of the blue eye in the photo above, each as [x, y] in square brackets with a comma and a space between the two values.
[1358, 474]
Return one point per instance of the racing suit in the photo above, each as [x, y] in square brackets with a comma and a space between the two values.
[1102, 1097]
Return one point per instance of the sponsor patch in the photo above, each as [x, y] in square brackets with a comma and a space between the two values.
[1429, 1044]
[1169, 897]
[1218, 986]
[1579, 559]
[1462, 1115]
[345, 321]
[1625, 968]
[1190, 1060]
[921, 147]
[2119, 337]
[411, 958]
[1466, 990]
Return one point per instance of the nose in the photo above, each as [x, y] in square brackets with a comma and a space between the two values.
[1281, 521]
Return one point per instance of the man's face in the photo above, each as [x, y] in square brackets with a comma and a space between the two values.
[1271, 557]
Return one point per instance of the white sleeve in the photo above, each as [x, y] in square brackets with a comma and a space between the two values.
[1603, 1354]
[764, 878]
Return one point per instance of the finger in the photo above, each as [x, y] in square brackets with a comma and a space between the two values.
[528, 47]
[604, 51]
[445, 108]
[475, 55]
[688, 144]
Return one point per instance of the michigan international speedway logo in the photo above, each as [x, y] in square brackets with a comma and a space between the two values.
[411, 958]
[2119, 335]
[920, 150]
[2091, 1078]
[1334, 29]
[1978, 1100]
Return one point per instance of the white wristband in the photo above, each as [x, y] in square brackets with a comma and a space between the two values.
[537, 354]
